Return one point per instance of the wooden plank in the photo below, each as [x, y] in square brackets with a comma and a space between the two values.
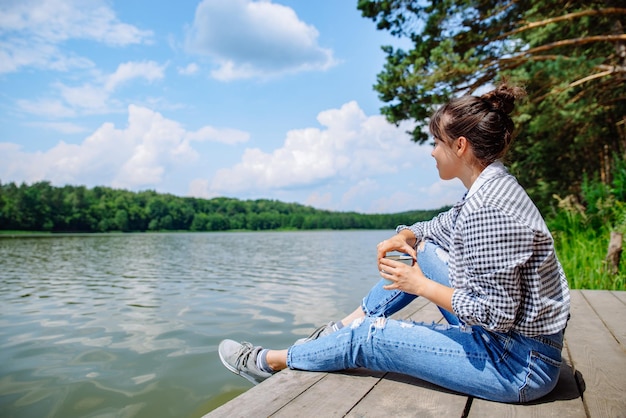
[563, 401]
[620, 295]
[611, 310]
[594, 355]
[269, 396]
[420, 310]
[332, 396]
[413, 308]
[599, 358]
[403, 396]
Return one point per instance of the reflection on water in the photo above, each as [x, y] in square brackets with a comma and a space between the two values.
[128, 325]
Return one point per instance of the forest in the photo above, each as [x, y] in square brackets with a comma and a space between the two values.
[43, 207]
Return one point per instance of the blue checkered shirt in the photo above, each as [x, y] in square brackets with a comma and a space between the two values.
[503, 266]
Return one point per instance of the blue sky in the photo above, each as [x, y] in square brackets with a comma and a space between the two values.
[238, 98]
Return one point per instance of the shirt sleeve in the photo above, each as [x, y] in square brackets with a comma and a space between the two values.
[439, 229]
[487, 278]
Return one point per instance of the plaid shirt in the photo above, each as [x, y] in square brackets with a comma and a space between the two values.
[502, 265]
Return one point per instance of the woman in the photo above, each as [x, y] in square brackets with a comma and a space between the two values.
[488, 263]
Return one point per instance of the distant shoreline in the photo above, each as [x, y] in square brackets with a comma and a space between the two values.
[16, 234]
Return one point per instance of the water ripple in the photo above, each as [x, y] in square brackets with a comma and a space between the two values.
[128, 325]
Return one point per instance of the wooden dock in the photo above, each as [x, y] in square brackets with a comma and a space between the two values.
[592, 381]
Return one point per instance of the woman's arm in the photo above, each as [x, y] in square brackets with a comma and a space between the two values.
[411, 279]
[439, 229]
[437, 293]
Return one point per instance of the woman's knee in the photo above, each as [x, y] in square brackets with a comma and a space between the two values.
[433, 260]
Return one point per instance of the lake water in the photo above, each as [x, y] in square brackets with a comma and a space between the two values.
[127, 325]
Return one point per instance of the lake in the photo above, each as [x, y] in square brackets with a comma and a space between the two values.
[127, 325]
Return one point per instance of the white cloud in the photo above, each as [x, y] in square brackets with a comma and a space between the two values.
[443, 192]
[42, 25]
[87, 97]
[410, 197]
[59, 20]
[398, 201]
[199, 188]
[319, 200]
[63, 127]
[94, 97]
[225, 135]
[147, 70]
[255, 39]
[135, 156]
[362, 188]
[46, 107]
[189, 69]
[16, 53]
[350, 147]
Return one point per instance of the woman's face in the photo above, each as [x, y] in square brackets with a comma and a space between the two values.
[447, 160]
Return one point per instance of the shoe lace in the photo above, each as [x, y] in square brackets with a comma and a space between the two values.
[243, 355]
[322, 330]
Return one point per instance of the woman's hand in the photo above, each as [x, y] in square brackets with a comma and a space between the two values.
[411, 279]
[403, 242]
[408, 279]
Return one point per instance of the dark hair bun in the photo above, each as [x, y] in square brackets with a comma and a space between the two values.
[503, 97]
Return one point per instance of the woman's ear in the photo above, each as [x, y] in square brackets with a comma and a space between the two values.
[462, 146]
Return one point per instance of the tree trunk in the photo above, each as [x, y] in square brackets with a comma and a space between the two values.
[615, 251]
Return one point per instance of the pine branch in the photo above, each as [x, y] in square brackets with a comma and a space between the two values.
[569, 16]
[591, 77]
[575, 42]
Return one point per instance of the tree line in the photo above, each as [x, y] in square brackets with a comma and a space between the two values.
[43, 207]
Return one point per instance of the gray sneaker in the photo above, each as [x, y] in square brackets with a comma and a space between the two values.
[319, 332]
[240, 358]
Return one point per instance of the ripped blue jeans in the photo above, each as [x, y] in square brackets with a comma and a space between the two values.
[505, 367]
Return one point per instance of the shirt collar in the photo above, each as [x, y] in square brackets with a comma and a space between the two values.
[494, 169]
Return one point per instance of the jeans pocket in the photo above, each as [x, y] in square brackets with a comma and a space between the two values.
[499, 345]
[542, 376]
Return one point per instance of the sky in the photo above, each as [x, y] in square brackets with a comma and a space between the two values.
[206, 98]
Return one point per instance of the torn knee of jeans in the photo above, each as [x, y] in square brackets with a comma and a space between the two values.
[356, 323]
[441, 326]
[442, 254]
[421, 245]
[378, 323]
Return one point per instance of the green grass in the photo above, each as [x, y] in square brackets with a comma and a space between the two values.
[582, 253]
[582, 227]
